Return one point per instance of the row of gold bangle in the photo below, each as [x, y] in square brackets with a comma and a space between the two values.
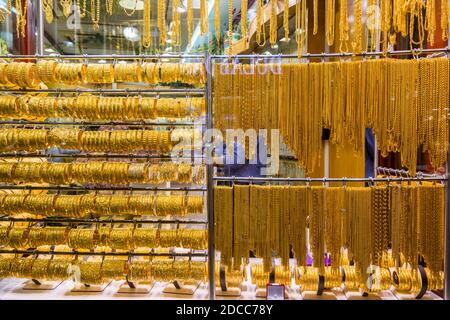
[100, 172]
[118, 141]
[89, 107]
[114, 238]
[39, 269]
[19, 74]
[99, 272]
[233, 278]
[81, 206]
[30, 75]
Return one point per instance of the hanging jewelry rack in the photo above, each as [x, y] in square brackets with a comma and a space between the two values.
[418, 178]
[413, 52]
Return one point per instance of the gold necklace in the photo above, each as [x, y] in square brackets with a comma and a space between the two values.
[109, 7]
[430, 20]
[301, 26]
[244, 19]
[357, 44]
[147, 34]
[190, 19]
[21, 18]
[316, 17]
[330, 18]
[162, 22]
[230, 26]
[48, 10]
[273, 22]
[95, 14]
[176, 31]
[386, 18]
[82, 10]
[66, 6]
[444, 20]
[203, 16]
[343, 26]
[260, 29]
[130, 13]
[217, 26]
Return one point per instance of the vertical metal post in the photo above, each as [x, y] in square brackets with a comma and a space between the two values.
[447, 233]
[40, 28]
[210, 185]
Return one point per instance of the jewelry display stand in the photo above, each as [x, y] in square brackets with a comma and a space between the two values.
[230, 292]
[326, 295]
[90, 288]
[38, 285]
[181, 289]
[136, 288]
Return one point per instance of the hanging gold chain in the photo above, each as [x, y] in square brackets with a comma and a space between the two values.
[95, 14]
[147, 34]
[217, 26]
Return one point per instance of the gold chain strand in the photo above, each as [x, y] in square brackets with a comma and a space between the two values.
[110, 7]
[316, 227]
[415, 14]
[430, 21]
[95, 14]
[162, 28]
[203, 17]
[82, 9]
[217, 22]
[445, 19]
[301, 26]
[244, 19]
[372, 23]
[331, 20]
[386, 19]
[147, 34]
[260, 29]
[241, 224]
[344, 28]
[230, 27]
[223, 207]
[273, 22]
[21, 18]
[190, 19]
[334, 205]
[316, 17]
[176, 24]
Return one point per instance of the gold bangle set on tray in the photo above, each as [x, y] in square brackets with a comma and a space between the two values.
[30, 75]
[407, 223]
[117, 141]
[78, 206]
[98, 172]
[107, 237]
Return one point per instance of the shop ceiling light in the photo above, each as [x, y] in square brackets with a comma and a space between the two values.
[131, 34]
